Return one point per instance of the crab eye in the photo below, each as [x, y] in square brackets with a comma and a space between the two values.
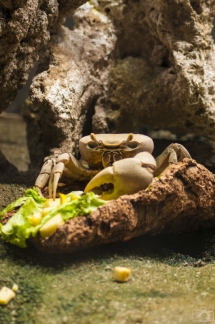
[92, 145]
[133, 145]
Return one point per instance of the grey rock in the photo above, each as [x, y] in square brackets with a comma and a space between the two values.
[127, 65]
[25, 30]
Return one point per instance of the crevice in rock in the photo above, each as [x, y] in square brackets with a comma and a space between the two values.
[87, 126]
[196, 6]
[213, 29]
[22, 94]
[69, 23]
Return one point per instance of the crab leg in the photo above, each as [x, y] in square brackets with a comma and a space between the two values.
[173, 153]
[44, 175]
[127, 176]
[54, 179]
[67, 165]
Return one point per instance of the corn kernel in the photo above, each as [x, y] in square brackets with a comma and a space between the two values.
[74, 195]
[52, 203]
[35, 218]
[62, 198]
[46, 210]
[51, 226]
[121, 274]
[15, 287]
[6, 294]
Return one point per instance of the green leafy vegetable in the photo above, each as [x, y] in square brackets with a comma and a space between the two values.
[20, 227]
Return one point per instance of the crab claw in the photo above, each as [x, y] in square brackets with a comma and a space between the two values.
[127, 176]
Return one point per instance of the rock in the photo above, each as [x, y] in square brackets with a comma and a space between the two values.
[125, 65]
[25, 30]
[66, 92]
[164, 75]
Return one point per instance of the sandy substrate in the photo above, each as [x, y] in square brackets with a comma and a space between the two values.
[13, 142]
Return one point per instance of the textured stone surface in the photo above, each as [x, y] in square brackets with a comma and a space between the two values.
[127, 64]
[165, 74]
[168, 81]
[76, 76]
[25, 30]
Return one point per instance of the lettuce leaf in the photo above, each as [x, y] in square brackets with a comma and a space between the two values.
[83, 205]
[19, 227]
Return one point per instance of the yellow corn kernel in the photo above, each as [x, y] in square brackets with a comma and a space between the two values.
[74, 195]
[121, 274]
[6, 294]
[62, 198]
[51, 225]
[52, 203]
[15, 287]
[35, 218]
[46, 210]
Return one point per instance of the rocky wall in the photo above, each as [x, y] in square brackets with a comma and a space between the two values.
[128, 64]
[26, 27]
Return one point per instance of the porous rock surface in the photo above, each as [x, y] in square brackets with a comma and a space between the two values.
[26, 27]
[127, 64]
[181, 200]
[76, 76]
[166, 78]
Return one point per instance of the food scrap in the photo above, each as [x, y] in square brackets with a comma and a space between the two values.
[121, 274]
[51, 225]
[15, 287]
[35, 214]
[6, 294]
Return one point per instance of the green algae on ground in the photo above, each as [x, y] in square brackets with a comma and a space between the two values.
[165, 286]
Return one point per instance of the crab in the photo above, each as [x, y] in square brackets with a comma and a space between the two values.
[117, 164]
